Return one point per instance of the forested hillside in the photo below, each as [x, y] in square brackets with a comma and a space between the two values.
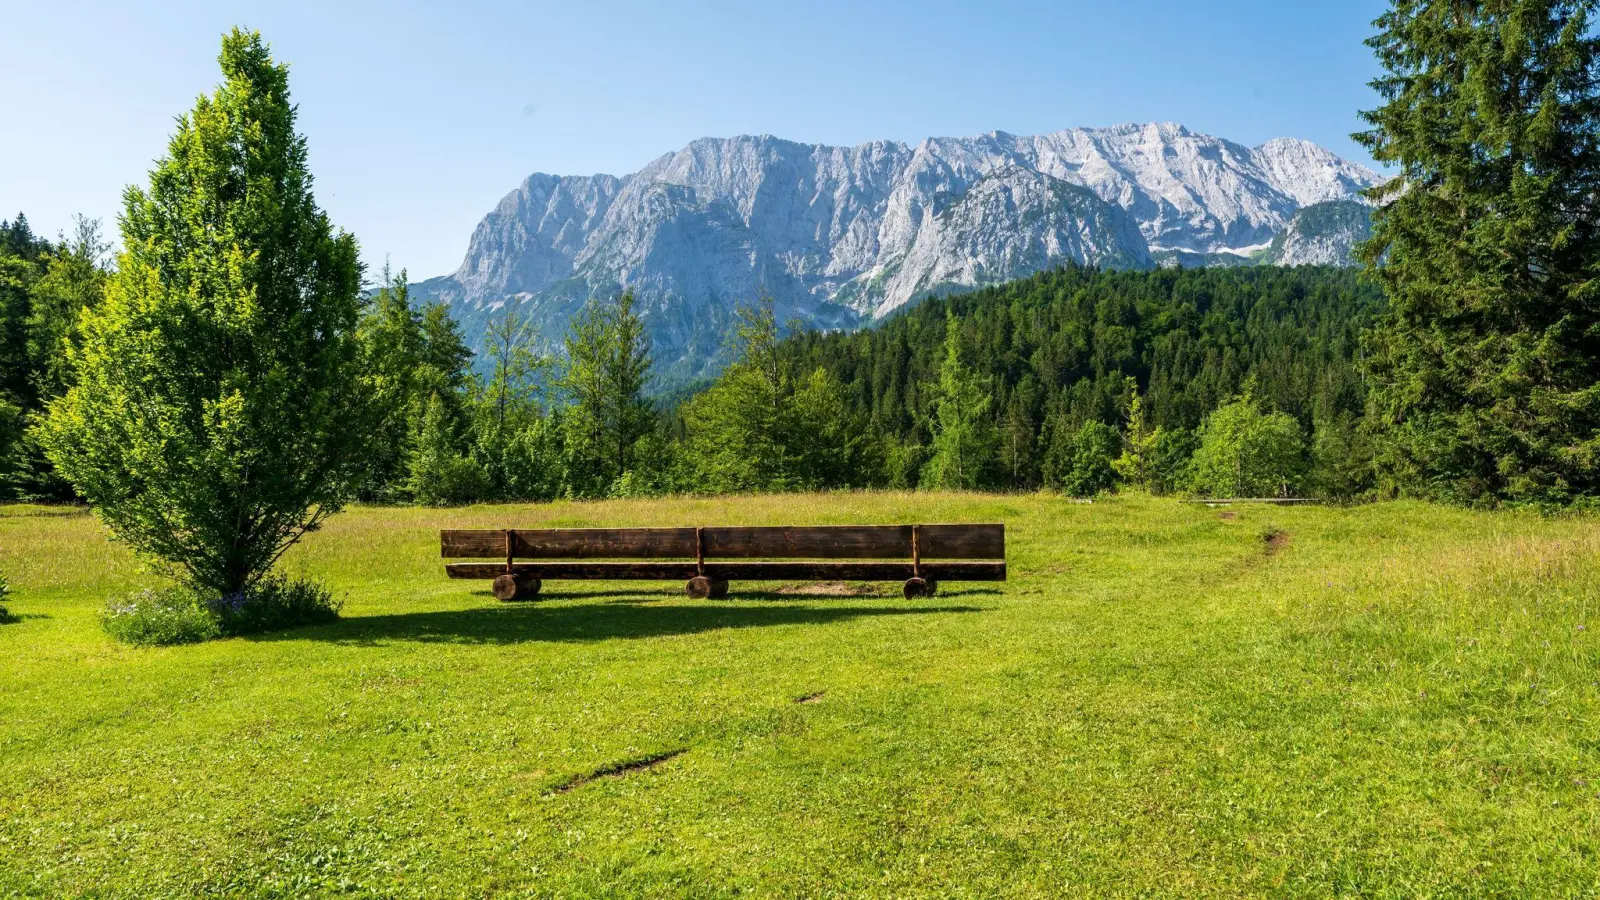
[1071, 347]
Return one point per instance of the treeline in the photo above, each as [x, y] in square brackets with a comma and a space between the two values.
[1219, 381]
[44, 285]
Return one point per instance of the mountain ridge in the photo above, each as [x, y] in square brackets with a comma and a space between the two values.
[841, 236]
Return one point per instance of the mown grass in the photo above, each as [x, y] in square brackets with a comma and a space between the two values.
[1394, 700]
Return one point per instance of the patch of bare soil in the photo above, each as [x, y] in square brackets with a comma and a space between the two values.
[811, 698]
[830, 589]
[1275, 540]
[1227, 515]
[621, 769]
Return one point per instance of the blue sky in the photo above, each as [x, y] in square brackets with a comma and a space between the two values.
[421, 116]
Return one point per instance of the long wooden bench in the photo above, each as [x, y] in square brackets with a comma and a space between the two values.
[708, 558]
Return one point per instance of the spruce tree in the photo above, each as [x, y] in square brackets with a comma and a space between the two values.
[1484, 373]
[390, 332]
[964, 437]
[216, 412]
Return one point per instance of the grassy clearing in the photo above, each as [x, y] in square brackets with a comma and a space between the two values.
[1393, 700]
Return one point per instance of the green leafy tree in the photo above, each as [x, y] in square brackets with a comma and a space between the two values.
[216, 411]
[1484, 371]
[759, 428]
[390, 332]
[608, 366]
[1248, 452]
[1170, 453]
[74, 279]
[964, 438]
[736, 433]
[446, 370]
[1136, 464]
[438, 472]
[507, 402]
[1094, 452]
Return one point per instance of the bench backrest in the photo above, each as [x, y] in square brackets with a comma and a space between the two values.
[731, 542]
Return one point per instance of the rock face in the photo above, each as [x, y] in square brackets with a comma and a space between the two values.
[1323, 234]
[839, 236]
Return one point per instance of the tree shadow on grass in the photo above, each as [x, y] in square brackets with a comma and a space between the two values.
[527, 622]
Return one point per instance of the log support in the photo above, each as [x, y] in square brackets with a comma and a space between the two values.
[510, 586]
[702, 587]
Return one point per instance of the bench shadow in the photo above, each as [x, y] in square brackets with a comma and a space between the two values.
[647, 595]
[516, 623]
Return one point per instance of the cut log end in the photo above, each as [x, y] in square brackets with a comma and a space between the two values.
[701, 587]
[515, 587]
[918, 587]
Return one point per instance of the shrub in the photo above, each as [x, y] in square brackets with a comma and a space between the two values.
[148, 618]
[275, 602]
[1094, 448]
[1248, 452]
[5, 591]
[177, 615]
[1170, 453]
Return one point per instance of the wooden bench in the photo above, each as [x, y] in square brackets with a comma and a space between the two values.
[708, 558]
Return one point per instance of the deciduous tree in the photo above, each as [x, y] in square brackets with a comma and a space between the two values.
[217, 411]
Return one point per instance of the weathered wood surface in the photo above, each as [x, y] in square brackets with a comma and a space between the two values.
[732, 542]
[856, 542]
[734, 571]
[570, 543]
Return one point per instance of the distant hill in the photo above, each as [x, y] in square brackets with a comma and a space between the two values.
[842, 236]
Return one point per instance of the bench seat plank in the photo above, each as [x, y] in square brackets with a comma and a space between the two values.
[570, 543]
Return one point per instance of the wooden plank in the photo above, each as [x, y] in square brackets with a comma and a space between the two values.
[854, 571]
[579, 571]
[735, 571]
[964, 541]
[855, 542]
[570, 543]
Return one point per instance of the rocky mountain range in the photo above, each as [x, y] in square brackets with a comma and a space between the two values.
[841, 236]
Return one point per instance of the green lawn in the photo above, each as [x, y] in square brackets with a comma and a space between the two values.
[1394, 700]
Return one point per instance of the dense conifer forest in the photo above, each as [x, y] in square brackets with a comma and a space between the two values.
[1071, 347]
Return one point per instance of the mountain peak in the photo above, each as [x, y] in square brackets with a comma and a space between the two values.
[842, 235]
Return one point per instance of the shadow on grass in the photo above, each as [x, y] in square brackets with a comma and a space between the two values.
[648, 595]
[527, 622]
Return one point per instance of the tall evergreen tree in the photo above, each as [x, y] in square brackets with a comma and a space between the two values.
[964, 437]
[760, 428]
[1485, 374]
[217, 411]
[390, 332]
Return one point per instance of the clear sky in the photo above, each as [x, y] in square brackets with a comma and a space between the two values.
[420, 116]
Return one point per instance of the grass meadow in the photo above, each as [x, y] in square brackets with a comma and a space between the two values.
[1164, 700]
